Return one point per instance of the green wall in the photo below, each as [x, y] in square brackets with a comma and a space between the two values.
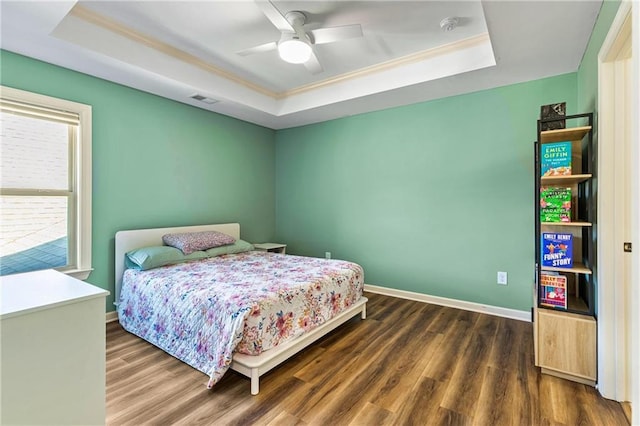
[432, 198]
[158, 163]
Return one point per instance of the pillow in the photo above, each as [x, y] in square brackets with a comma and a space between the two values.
[152, 257]
[239, 246]
[189, 242]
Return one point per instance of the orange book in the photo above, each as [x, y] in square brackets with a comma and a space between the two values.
[553, 290]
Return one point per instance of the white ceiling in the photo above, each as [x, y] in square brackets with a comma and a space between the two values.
[176, 49]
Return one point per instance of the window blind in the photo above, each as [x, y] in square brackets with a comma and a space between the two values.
[35, 111]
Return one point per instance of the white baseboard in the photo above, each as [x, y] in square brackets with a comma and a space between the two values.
[452, 303]
[112, 316]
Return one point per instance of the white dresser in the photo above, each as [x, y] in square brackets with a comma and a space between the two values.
[52, 350]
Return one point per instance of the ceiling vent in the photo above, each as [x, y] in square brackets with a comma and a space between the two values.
[204, 99]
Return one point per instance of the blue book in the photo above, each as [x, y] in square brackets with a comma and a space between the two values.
[555, 159]
[557, 250]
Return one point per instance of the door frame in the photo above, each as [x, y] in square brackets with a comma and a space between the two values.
[618, 314]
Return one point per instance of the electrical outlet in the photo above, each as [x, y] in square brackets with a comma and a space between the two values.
[502, 278]
[327, 255]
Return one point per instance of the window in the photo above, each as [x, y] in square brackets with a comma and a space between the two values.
[45, 184]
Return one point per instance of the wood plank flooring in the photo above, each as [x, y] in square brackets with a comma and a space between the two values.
[408, 363]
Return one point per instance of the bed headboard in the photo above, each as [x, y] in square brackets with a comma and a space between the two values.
[136, 238]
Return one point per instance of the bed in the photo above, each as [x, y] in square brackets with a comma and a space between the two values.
[248, 311]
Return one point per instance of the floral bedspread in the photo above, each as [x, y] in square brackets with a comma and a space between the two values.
[202, 311]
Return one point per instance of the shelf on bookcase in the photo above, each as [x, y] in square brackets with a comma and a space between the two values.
[578, 268]
[574, 305]
[559, 135]
[564, 180]
[577, 223]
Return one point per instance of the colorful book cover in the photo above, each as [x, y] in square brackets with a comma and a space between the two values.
[555, 159]
[555, 204]
[557, 250]
[553, 290]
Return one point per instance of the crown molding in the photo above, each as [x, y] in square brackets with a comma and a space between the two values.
[87, 15]
[97, 19]
[394, 63]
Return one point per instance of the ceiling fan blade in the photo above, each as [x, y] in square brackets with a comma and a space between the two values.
[258, 49]
[329, 35]
[313, 65]
[274, 15]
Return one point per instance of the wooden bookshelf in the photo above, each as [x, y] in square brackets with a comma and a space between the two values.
[564, 180]
[573, 304]
[576, 304]
[565, 339]
[569, 349]
[578, 268]
[559, 135]
[576, 224]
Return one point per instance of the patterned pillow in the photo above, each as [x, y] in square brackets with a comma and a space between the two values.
[189, 242]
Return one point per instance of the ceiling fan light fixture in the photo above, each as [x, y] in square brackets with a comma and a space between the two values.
[294, 51]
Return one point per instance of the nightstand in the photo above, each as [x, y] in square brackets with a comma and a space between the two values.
[271, 247]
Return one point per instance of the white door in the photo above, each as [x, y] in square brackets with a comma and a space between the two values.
[616, 190]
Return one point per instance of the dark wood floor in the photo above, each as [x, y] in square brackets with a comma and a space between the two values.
[408, 363]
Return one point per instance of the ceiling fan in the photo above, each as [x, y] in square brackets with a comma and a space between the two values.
[296, 45]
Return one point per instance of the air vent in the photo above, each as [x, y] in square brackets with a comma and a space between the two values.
[203, 98]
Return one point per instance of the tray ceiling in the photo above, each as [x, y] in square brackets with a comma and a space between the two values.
[182, 48]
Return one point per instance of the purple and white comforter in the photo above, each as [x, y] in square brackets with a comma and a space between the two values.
[203, 311]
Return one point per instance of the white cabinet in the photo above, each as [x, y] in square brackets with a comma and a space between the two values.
[52, 350]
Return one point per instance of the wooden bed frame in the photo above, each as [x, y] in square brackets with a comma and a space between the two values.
[252, 366]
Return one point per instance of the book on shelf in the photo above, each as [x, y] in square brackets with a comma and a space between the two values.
[555, 204]
[553, 290]
[555, 159]
[557, 250]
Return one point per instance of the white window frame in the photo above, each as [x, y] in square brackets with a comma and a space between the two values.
[79, 233]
